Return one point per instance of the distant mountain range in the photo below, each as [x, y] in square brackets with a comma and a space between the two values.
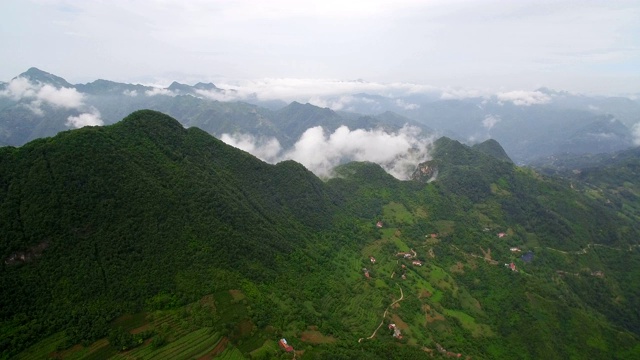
[528, 124]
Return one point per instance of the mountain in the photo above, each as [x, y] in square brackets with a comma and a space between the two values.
[609, 178]
[492, 148]
[111, 88]
[528, 124]
[146, 239]
[145, 191]
[36, 75]
[22, 115]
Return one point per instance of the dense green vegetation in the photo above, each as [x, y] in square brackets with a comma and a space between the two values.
[147, 240]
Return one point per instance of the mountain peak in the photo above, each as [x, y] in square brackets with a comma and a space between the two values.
[493, 148]
[176, 86]
[205, 86]
[36, 75]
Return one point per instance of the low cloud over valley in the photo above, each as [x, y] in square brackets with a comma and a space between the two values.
[320, 151]
[35, 95]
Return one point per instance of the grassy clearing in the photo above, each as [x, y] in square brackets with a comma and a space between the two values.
[401, 245]
[316, 337]
[129, 322]
[421, 212]
[231, 354]
[437, 274]
[268, 350]
[398, 213]
[469, 323]
[237, 295]
[445, 227]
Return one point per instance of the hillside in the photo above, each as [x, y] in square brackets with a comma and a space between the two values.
[144, 239]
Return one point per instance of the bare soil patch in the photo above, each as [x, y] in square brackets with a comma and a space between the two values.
[140, 329]
[237, 295]
[316, 337]
[399, 323]
[432, 315]
[457, 268]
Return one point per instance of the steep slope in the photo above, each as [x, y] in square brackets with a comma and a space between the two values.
[104, 218]
[492, 148]
[573, 259]
[36, 75]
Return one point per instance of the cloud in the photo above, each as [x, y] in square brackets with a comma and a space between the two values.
[221, 95]
[85, 119]
[21, 89]
[635, 132]
[159, 91]
[405, 105]
[64, 97]
[335, 92]
[132, 93]
[397, 152]
[460, 94]
[490, 121]
[524, 98]
[265, 149]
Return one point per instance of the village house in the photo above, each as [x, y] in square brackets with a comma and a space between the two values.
[372, 259]
[417, 263]
[283, 344]
[501, 235]
[396, 331]
[511, 266]
[379, 224]
[515, 249]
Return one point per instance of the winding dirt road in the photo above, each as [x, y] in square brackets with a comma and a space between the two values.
[385, 314]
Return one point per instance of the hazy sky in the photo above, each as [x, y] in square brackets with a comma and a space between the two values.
[582, 46]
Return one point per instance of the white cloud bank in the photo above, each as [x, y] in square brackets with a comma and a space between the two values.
[265, 149]
[20, 89]
[490, 121]
[635, 132]
[524, 98]
[34, 95]
[318, 90]
[159, 91]
[397, 152]
[85, 119]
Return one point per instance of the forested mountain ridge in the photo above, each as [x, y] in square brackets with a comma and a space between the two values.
[145, 191]
[206, 245]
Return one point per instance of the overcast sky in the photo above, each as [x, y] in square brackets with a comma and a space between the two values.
[582, 46]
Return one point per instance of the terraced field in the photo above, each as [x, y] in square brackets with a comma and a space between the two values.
[193, 345]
